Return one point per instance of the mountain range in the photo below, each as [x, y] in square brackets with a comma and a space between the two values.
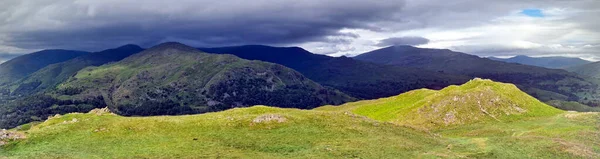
[363, 80]
[543, 83]
[556, 62]
[172, 79]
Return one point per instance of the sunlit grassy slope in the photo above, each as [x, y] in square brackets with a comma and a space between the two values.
[476, 101]
[384, 128]
[232, 133]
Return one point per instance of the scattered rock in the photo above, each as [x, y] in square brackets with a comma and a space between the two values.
[450, 118]
[6, 136]
[54, 117]
[269, 118]
[100, 130]
[74, 120]
[103, 111]
[230, 118]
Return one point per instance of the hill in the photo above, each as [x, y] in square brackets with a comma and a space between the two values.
[475, 101]
[590, 70]
[22, 66]
[555, 62]
[537, 131]
[356, 78]
[54, 74]
[171, 79]
[544, 84]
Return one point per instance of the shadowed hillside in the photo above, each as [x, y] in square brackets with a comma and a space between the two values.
[591, 70]
[52, 75]
[22, 66]
[171, 79]
[356, 78]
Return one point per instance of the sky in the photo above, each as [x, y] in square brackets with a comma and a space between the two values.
[332, 27]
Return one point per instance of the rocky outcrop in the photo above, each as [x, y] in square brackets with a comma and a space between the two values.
[7, 136]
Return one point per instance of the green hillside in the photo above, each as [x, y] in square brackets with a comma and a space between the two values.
[366, 129]
[176, 76]
[236, 133]
[173, 79]
[591, 69]
[475, 101]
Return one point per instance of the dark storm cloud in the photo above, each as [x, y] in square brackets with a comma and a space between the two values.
[95, 25]
[403, 41]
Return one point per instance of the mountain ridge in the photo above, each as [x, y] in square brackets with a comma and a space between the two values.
[359, 79]
[554, 62]
[24, 65]
[543, 83]
[54, 74]
[173, 79]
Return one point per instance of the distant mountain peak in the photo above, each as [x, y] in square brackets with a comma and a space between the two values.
[555, 62]
[130, 46]
[403, 46]
[273, 47]
[173, 45]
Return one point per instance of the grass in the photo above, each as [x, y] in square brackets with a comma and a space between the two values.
[365, 129]
[230, 134]
[475, 101]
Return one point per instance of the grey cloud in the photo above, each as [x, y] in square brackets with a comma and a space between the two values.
[589, 53]
[575, 24]
[95, 25]
[5, 57]
[403, 41]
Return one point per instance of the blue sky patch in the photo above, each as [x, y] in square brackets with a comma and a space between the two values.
[533, 13]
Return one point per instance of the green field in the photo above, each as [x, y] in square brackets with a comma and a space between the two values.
[405, 126]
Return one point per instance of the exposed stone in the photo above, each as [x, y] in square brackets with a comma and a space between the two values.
[74, 120]
[269, 118]
[450, 118]
[100, 130]
[102, 111]
[7, 136]
[54, 117]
